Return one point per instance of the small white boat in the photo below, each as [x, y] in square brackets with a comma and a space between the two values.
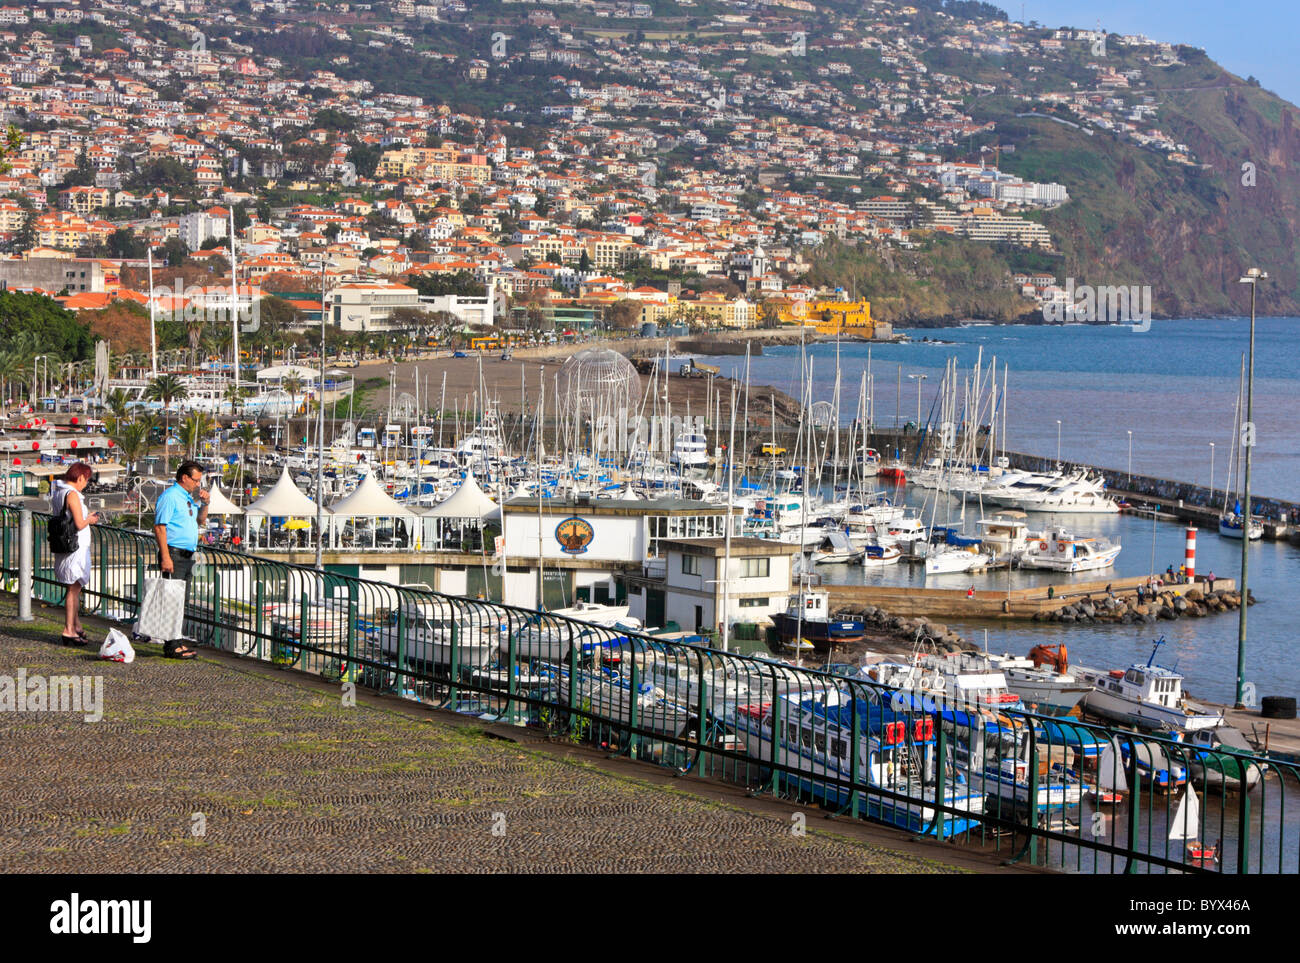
[951, 561]
[1145, 695]
[1186, 827]
[1230, 526]
[1059, 551]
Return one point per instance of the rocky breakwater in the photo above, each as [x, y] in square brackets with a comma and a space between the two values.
[904, 633]
[1194, 603]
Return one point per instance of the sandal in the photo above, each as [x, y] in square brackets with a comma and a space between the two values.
[81, 634]
[74, 639]
[179, 651]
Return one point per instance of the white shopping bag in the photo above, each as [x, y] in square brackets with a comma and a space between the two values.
[162, 614]
[117, 648]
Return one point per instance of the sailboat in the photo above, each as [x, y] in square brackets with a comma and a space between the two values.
[1186, 825]
[1112, 783]
[1231, 523]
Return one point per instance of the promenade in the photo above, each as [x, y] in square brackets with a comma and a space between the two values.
[219, 765]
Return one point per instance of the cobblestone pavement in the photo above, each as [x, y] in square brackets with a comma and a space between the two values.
[287, 779]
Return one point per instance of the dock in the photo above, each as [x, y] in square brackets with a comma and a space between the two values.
[960, 604]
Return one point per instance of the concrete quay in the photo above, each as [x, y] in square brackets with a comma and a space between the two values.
[960, 604]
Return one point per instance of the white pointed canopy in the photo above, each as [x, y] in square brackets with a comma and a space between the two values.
[284, 498]
[368, 500]
[467, 501]
[219, 504]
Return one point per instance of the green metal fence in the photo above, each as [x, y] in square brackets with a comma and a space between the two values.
[1027, 787]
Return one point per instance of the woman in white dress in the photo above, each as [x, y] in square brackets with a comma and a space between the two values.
[73, 570]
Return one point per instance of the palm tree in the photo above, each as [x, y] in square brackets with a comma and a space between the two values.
[292, 384]
[246, 434]
[194, 429]
[166, 388]
[132, 441]
[235, 396]
[116, 403]
[194, 333]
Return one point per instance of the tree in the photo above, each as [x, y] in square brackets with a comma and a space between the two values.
[623, 315]
[51, 328]
[292, 384]
[166, 173]
[165, 389]
[83, 175]
[122, 243]
[194, 429]
[584, 262]
[175, 251]
[246, 434]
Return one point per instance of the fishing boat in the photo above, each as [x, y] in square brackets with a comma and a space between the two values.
[436, 633]
[1044, 689]
[1154, 765]
[1220, 757]
[1144, 695]
[808, 617]
[893, 752]
[608, 697]
[1059, 551]
[995, 758]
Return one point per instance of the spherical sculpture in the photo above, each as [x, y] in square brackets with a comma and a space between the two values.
[600, 382]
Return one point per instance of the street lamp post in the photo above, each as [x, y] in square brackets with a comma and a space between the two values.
[1130, 460]
[1211, 474]
[1253, 277]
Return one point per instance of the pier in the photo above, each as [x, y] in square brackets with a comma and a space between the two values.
[1025, 603]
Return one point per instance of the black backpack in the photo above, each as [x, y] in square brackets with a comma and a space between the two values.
[62, 531]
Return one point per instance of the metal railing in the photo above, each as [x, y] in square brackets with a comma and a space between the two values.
[1026, 787]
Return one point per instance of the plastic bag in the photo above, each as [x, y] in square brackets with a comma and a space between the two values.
[117, 648]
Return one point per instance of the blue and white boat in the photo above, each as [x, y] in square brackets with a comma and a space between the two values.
[896, 752]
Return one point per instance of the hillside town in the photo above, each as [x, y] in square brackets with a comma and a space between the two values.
[669, 177]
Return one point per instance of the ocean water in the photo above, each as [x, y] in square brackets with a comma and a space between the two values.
[1174, 387]
[1204, 650]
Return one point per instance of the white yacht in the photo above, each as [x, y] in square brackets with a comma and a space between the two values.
[1059, 551]
[690, 450]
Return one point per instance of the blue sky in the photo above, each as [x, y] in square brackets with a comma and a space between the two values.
[1256, 38]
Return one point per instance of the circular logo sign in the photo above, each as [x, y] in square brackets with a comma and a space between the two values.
[574, 535]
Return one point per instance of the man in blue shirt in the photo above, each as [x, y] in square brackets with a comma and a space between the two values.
[181, 511]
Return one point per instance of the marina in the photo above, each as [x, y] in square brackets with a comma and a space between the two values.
[598, 558]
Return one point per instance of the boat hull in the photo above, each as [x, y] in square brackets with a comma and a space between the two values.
[844, 630]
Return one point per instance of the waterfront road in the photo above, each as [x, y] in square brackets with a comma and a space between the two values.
[222, 765]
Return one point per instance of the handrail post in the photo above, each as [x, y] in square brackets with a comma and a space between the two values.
[216, 608]
[855, 757]
[634, 704]
[940, 779]
[302, 632]
[1135, 798]
[259, 616]
[1243, 819]
[349, 667]
[25, 566]
[139, 585]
